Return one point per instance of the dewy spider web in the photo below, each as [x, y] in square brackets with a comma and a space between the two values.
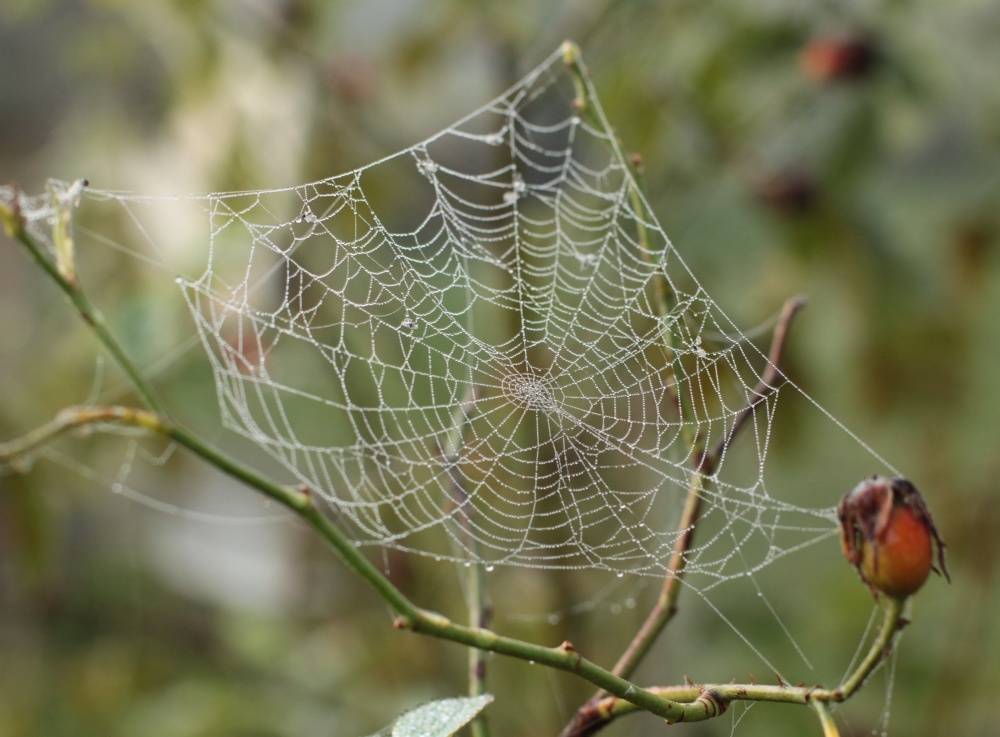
[486, 371]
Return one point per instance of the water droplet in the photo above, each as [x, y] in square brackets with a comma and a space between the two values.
[489, 568]
[178, 280]
[494, 139]
[620, 574]
[427, 167]
[437, 558]
[575, 120]
[510, 198]
[467, 564]
[117, 488]
[531, 662]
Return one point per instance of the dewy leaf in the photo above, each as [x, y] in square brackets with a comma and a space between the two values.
[439, 718]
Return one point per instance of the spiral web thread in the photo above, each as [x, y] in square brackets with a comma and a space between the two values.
[484, 369]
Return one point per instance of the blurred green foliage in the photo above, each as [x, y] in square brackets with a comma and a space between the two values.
[845, 150]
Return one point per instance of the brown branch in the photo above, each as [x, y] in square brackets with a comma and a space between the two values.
[594, 715]
[770, 381]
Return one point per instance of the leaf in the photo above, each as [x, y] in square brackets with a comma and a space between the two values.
[440, 718]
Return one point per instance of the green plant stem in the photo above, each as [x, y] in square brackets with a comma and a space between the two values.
[595, 715]
[477, 594]
[891, 622]
[822, 710]
[410, 617]
[479, 616]
[664, 302]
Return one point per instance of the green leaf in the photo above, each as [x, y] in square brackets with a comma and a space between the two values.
[440, 718]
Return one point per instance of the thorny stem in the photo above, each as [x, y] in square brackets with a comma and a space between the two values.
[597, 714]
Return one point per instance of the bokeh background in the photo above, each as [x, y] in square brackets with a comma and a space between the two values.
[846, 150]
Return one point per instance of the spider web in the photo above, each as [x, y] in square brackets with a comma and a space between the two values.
[485, 349]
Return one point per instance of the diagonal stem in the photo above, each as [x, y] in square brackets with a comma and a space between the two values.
[301, 501]
[891, 623]
[666, 604]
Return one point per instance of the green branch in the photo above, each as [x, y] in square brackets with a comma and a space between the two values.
[477, 595]
[301, 501]
[595, 715]
[822, 710]
[891, 623]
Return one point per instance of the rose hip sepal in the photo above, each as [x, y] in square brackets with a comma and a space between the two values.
[888, 535]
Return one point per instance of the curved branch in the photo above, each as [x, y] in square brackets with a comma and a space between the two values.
[598, 713]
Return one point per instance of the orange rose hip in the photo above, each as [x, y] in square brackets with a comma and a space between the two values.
[888, 535]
